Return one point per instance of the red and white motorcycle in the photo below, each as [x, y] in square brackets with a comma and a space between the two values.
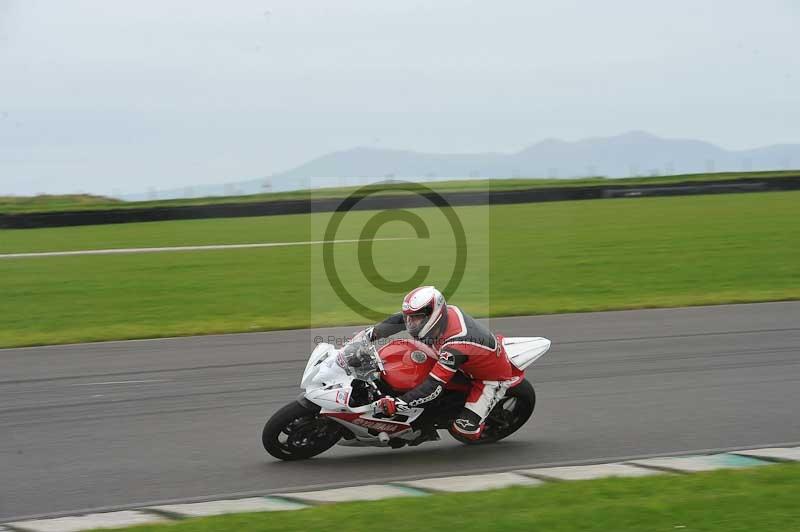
[341, 386]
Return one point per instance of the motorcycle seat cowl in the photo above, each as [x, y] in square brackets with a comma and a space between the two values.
[524, 351]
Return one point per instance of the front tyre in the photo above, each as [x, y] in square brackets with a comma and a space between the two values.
[507, 416]
[296, 432]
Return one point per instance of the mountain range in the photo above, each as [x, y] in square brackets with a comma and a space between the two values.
[629, 154]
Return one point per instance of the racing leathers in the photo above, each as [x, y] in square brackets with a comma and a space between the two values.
[462, 345]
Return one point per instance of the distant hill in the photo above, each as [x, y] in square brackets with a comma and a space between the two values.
[630, 154]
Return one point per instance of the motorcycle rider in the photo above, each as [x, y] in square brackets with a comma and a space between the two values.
[462, 345]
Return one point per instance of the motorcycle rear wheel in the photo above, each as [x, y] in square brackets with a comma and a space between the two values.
[507, 416]
[296, 432]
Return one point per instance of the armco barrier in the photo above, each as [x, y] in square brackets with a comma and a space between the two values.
[303, 206]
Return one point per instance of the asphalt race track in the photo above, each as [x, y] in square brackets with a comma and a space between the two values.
[126, 423]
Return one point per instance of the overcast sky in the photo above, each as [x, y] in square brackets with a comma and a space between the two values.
[105, 96]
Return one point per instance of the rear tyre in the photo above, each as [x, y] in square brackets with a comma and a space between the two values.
[507, 416]
[297, 432]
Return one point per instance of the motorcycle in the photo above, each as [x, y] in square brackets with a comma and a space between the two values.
[341, 385]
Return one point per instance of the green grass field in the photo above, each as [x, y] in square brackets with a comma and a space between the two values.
[16, 205]
[765, 499]
[522, 259]
[49, 202]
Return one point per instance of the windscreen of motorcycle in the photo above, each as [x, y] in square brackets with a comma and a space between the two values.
[330, 371]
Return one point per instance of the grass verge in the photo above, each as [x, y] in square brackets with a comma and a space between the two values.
[55, 202]
[522, 259]
[763, 498]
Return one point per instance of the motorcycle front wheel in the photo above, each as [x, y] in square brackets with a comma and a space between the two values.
[296, 432]
[507, 416]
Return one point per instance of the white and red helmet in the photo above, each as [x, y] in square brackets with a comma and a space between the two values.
[423, 308]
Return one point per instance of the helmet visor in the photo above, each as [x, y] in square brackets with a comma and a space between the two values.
[415, 322]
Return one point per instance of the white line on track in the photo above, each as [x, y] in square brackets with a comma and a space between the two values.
[118, 382]
[119, 251]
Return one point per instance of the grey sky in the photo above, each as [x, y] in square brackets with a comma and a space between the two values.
[122, 96]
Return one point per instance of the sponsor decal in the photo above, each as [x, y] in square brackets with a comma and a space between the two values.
[379, 425]
[341, 397]
[465, 423]
[447, 359]
[340, 360]
[466, 426]
[419, 357]
[431, 397]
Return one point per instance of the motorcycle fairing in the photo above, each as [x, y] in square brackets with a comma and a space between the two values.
[321, 353]
[364, 425]
[524, 350]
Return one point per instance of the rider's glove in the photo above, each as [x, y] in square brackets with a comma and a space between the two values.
[388, 406]
[363, 337]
